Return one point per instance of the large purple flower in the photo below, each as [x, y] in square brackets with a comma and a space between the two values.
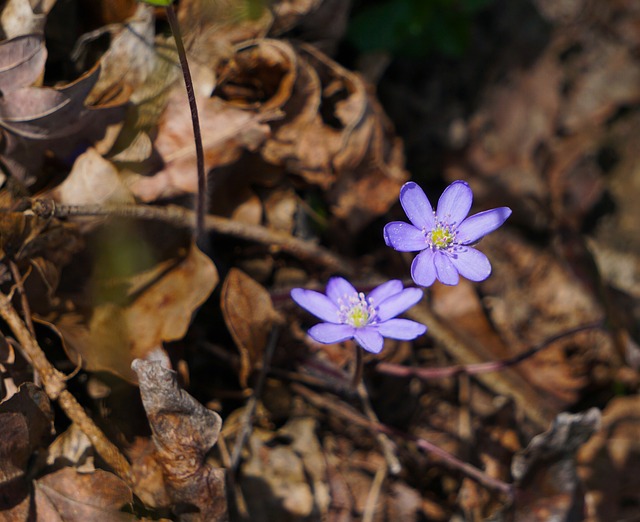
[443, 237]
[365, 318]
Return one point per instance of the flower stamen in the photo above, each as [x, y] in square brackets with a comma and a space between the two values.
[356, 310]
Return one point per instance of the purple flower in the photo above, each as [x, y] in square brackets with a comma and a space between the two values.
[365, 318]
[443, 237]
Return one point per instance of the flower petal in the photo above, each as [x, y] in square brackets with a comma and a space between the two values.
[369, 338]
[316, 303]
[380, 293]
[404, 237]
[402, 329]
[455, 203]
[478, 225]
[338, 287]
[472, 264]
[445, 270]
[416, 205]
[328, 333]
[423, 271]
[398, 303]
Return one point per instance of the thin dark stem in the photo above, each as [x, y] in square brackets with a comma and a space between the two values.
[358, 367]
[474, 369]
[201, 199]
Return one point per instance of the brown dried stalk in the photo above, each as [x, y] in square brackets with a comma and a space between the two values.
[54, 384]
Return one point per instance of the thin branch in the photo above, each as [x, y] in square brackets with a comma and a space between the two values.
[202, 196]
[180, 216]
[55, 387]
[475, 369]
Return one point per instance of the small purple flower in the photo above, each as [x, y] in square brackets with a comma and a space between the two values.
[365, 318]
[443, 237]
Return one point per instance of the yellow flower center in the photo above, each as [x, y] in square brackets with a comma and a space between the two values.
[441, 236]
[356, 310]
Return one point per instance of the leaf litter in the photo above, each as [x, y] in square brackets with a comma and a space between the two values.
[230, 410]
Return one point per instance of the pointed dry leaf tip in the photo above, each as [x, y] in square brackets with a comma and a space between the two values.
[443, 237]
[349, 314]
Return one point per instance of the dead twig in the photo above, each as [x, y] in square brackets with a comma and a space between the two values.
[475, 369]
[55, 386]
[182, 217]
[354, 417]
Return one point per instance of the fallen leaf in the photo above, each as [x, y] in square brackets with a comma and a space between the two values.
[156, 309]
[609, 463]
[546, 473]
[250, 316]
[69, 496]
[184, 432]
[21, 61]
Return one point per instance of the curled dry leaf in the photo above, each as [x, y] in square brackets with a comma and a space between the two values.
[123, 328]
[184, 432]
[41, 122]
[250, 316]
[211, 29]
[546, 473]
[21, 61]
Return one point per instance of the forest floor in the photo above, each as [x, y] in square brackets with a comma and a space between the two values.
[154, 371]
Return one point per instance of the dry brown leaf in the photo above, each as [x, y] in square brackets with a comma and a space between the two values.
[609, 463]
[70, 496]
[184, 432]
[20, 17]
[227, 132]
[21, 61]
[545, 471]
[555, 302]
[92, 180]
[160, 310]
[319, 22]
[284, 474]
[250, 316]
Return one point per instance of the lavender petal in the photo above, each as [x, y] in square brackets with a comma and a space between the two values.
[445, 270]
[398, 303]
[423, 270]
[454, 203]
[404, 237]
[417, 206]
[338, 288]
[369, 338]
[472, 264]
[327, 333]
[316, 303]
[479, 225]
[401, 329]
[380, 293]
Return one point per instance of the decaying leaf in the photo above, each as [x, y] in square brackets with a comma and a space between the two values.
[184, 432]
[290, 466]
[609, 463]
[21, 61]
[546, 473]
[250, 317]
[20, 17]
[160, 310]
[70, 496]
[227, 132]
[92, 180]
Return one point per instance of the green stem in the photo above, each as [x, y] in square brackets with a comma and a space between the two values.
[201, 199]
